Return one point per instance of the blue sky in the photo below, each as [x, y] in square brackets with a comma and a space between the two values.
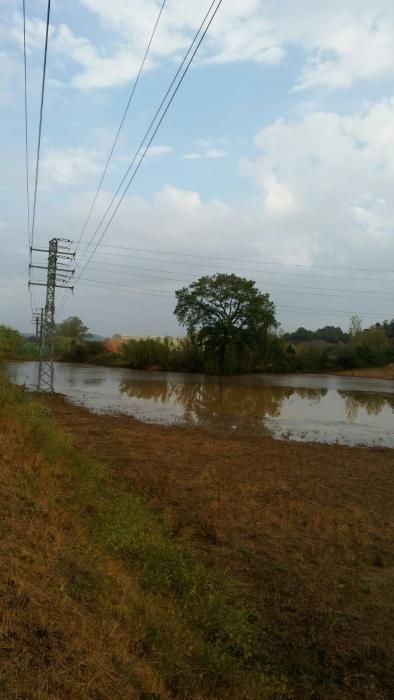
[278, 153]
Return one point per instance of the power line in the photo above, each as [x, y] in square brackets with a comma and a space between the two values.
[147, 291]
[341, 312]
[40, 120]
[141, 146]
[26, 129]
[27, 155]
[122, 121]
[263, 261]
[151, 124]
[137, 272]
[87, 283]
[165, 294]
[244, 269]
[115, 284]
[269, 272]
[63, 303]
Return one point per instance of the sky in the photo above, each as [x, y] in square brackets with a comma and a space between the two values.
[275, 160]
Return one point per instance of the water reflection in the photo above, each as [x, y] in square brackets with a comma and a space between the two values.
[310, 394]
[320, 408]
[240, 407]
[93, 381]
[373, 404]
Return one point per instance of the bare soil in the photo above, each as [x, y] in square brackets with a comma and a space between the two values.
[307, 529]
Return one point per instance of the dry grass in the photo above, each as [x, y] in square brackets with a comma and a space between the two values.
[96, 600]
[306, 529]
[52, 643]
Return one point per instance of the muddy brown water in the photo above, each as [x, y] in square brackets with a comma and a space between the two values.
[322, 408]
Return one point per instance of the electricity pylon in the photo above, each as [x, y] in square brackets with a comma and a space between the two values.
[37, 320]
[55, 252]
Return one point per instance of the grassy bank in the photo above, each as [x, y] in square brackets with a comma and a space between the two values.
[97, 599]
[307, 531]
[183, 564]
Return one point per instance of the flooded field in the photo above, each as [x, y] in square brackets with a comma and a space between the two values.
[319, 408]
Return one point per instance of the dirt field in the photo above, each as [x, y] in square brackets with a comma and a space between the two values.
[307, 528]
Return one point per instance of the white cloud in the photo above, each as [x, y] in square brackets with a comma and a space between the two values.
[328, 177]
[325, 197]
[342, 42]
[239, 32]
[279, 199]
[209, 154]
[361, 50]
[322, 181]
[99, 71]
[152, 152]
[68, 166]
[157, 151]
[181, 200]
[207, 149]
[8, 71]
[35, 31]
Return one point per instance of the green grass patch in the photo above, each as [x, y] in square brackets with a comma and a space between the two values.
[83, 583]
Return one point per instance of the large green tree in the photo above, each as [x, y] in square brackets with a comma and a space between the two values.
[225, 315]
[72, 328]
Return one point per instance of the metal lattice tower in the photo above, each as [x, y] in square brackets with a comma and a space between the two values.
[37, 319]
[47, 346]
[48, 327]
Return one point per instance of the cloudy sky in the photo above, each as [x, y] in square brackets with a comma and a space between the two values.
[275, 161]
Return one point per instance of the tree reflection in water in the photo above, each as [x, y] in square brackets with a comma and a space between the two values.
[373, 404]
[220, 404]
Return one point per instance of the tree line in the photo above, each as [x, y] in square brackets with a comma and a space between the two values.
[231, 327]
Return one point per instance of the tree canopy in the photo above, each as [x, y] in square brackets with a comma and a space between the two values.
[225, 314]
[330, 334]
[72, 328]
[11, 342]
[388, 327]
[355, 326]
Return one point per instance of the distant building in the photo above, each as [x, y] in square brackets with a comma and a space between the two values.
[115, 343]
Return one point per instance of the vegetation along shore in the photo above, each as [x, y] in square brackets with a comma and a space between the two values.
[368, 353]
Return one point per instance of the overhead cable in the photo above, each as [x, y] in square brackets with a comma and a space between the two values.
[134, 87]
[245, 269]
[40, 120]
[26, 128]
[143, 147]
[27, 156]
[137, 271]
[166, 294]
[243, 260]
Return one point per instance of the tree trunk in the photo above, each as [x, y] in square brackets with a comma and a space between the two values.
[222, 356]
